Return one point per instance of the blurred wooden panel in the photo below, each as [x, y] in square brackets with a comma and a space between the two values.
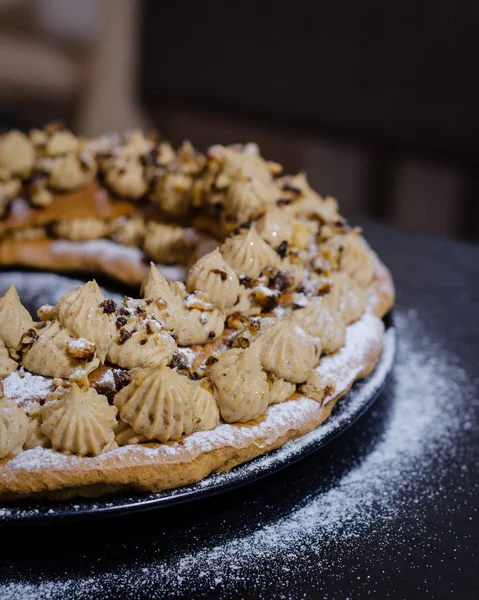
[427, 197]
[338, 170]
[401, 73]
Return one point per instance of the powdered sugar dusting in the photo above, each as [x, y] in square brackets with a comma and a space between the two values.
[105, 248]
[25, 388]
[111, 251]
[188, 355]
[395, 479]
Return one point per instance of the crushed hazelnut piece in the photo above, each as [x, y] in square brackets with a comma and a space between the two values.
[108, 306]
[124, 335]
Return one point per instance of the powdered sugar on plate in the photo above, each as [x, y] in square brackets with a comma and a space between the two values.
[390, 484]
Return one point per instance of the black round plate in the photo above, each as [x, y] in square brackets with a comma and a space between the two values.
[32, 288]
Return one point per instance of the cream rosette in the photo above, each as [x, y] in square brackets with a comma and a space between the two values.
[52, 353]
[207, 415]
[212, 275]
[240, 384]
[15, 319]
[353, 256]
[141, 344]
[13, 427]
[305, 202]
[295, 268]
[79, 421]
[9, 189]
[248, 253]
[238, 162]
[172, 193]
[162, 302]
[288, 351]
[134, 145]
[166, 243]
[125, 176]
[128, 231]
[71, 171]
[125, 435]
[279, 389]
[275, 226]
[162, 405]
[55, 142]
[79, 230]
[7, 364]
[198, 322]
[247, 198]
[349, 296]
[322, 319]
[35, 436]
[79, 312]
[173, 190]
[17, 153]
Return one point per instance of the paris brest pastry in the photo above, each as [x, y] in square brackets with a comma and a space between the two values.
[259, 307]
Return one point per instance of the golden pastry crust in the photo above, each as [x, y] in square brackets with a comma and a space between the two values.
[105, 258]
[150, 471]
[274, 324]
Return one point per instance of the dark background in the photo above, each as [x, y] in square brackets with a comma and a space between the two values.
[376, 100]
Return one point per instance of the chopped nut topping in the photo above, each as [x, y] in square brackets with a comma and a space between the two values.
[121, 321]
[287, 187]
[122, 379]
[266, 298]
[81, 349]
[282, 249]
[47, 312]
[282, 281]
[246, 281]
[243, 342]
[124, 335]
[236, 320]
[108, 306]
[211, 360]
[222, 274]
[30, 337]
[178, 361]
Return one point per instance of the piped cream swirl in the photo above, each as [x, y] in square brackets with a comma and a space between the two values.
[79, 421]
[160, 404]
[240, 385]
[13, 427]
[211, 274]
[15, 319]
[288, 351]
[79, 312]
[248, 253]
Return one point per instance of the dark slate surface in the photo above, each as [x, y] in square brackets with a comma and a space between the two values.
[438, 280]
